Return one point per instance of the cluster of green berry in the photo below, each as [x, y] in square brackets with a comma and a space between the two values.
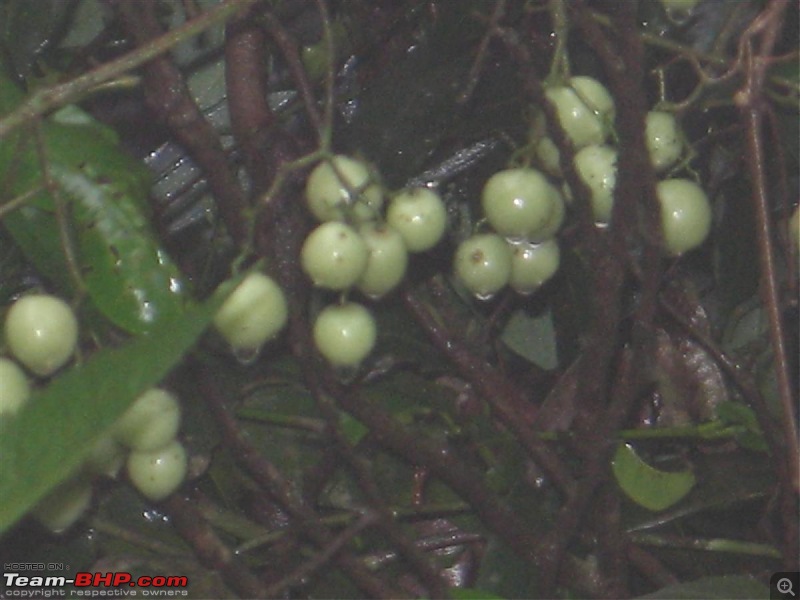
[525, 212]
[357, 246]
[585, 111]
[41, 333]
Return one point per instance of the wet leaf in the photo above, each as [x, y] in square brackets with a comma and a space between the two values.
[647, 486]
[128, 276]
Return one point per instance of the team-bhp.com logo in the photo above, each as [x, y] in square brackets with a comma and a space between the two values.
[94, 585]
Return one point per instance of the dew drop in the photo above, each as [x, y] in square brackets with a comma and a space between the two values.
[246, 356]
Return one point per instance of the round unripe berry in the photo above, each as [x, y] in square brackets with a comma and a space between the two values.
[685, 215]
[41, 331]
[663, 139]
[594, 95]
[158, 473]
[518, 203]
[387, 261]
[345, 334]
[483, 264]
[549, 156]
[106, 457]
[597, 167]
[532, 265]
[581, 123]
[14, 387]
[419, 215]
[334, 256]
[151, 422]
[794, 228]
[253, 313]
[342, 188]
[64, 505]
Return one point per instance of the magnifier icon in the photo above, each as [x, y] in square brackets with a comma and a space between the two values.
[784, 586]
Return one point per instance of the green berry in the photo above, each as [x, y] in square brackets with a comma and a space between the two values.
[594, 95]
[42, 332]
[151, 422]
[342, 188]
[63, 506]
[387, 261]
[579, 123]
[597, 167]
[685, 215]
[334, 256]
[106, 457]
[254, 313]
[345, 334]
[549, 156]
[794, 228]
[483, 264]
[419, 215]
[518, 203]
[158, 473]
[663, 139]
[532, 265]
[14, 387]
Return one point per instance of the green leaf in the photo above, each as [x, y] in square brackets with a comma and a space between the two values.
[646, 485]
[48, 439]
[128, 276]
[533, 337]
[711, 588]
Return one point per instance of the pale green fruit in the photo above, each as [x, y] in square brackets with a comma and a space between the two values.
[345, 334]
[419, 215]
[794, 228]
[158, 473]
[594, 95]
[549, 156]
[342, 189]
[106, 457]
[483, 264]
[387, 261]
[255, 312]
[597, 167]
[663, 139]
[64, 505]
[532, 265]
[14, 387]
[518, 203]
[42, 332]
[334, 256]
[685, 215]
[151, 422]
[582, 126]
[552, 226]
